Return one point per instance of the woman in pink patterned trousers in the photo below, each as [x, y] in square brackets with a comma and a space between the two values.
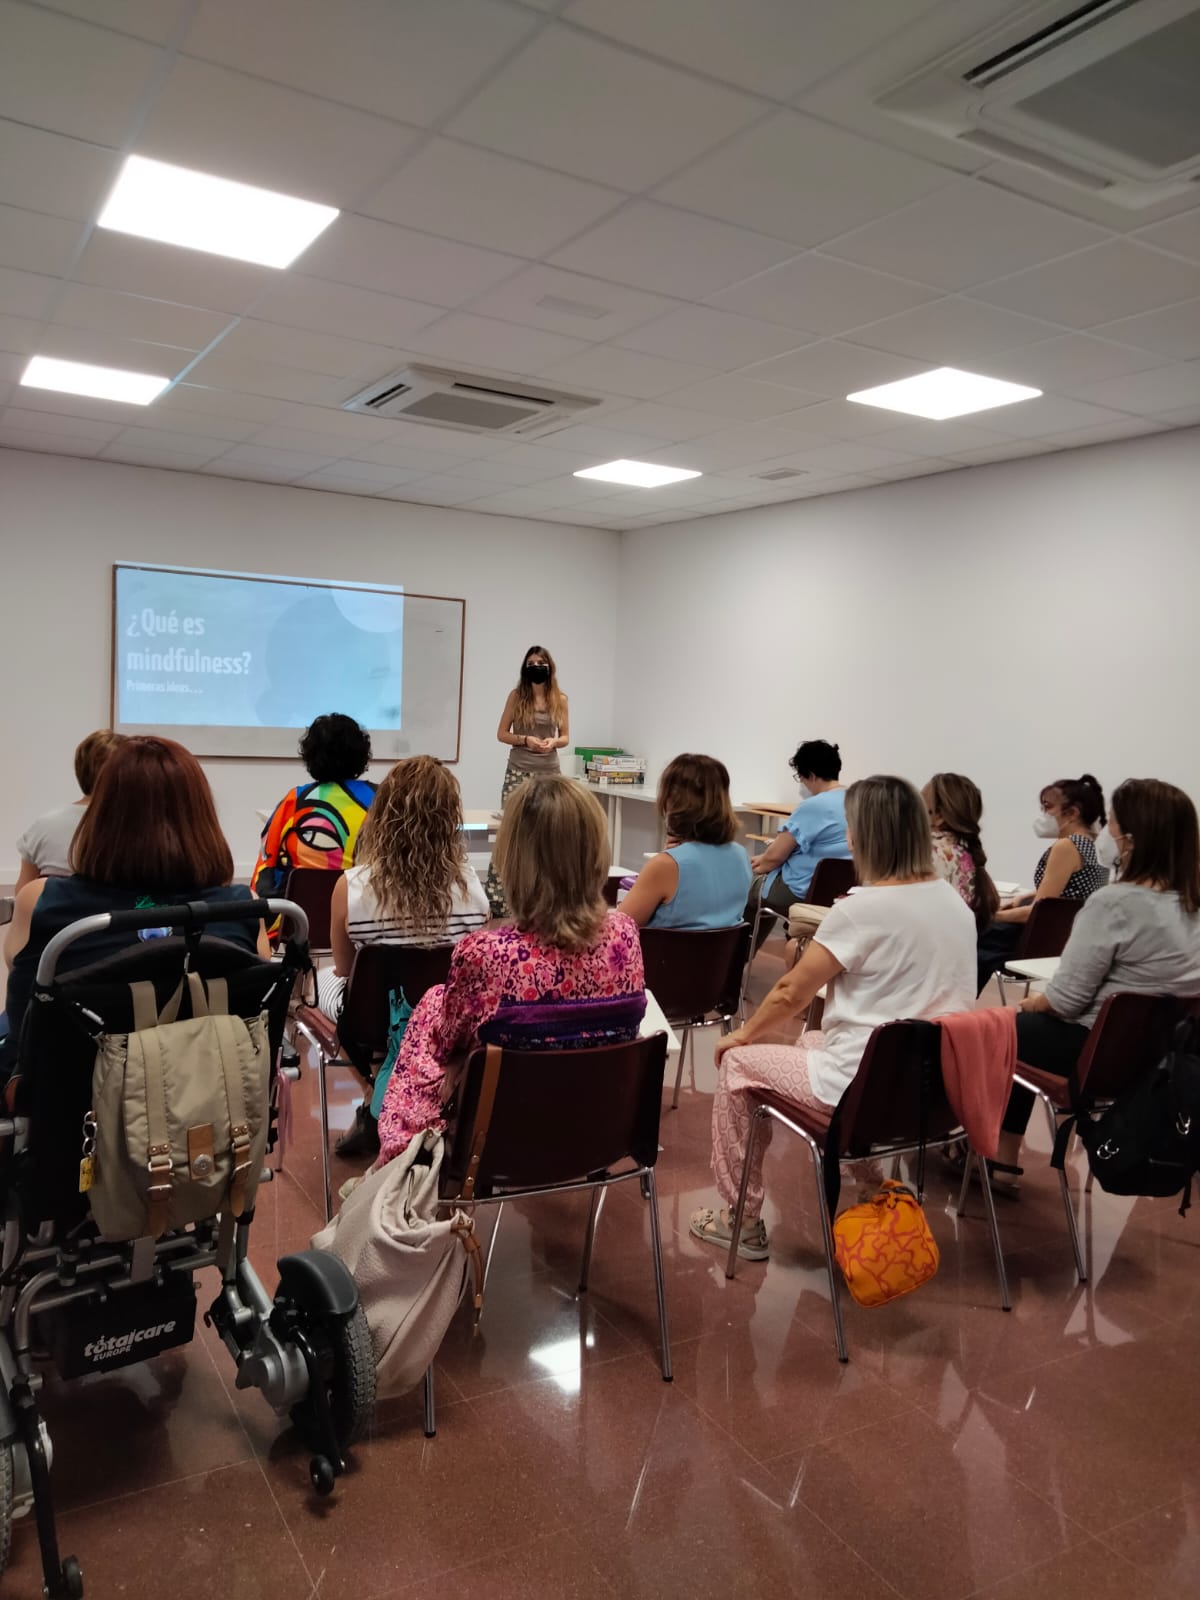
[901, 945]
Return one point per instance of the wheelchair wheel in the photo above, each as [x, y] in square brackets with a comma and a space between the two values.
[6, 1504]
[348, 1373]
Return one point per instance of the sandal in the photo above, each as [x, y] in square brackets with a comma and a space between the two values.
[716, 1227]
[1003, 1175]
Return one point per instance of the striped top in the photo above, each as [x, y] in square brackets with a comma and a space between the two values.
[366, 925]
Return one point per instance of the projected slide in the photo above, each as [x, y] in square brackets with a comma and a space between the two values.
[245, 661]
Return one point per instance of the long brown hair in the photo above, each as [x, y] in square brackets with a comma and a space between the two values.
[151, 823]
[525, 708]
[889, 826]
[693, 800]
[1160, 822]
[552, 858]
[958, 802]
[412, 842]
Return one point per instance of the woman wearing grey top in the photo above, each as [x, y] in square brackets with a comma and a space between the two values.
[1140, 935]
[45, 846]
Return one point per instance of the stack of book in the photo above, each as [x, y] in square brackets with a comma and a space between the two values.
[616, 770]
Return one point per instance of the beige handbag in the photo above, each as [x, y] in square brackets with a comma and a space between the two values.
[179, 1114]
[410, 1265]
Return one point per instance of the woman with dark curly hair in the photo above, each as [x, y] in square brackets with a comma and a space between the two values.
[316, 824]
[411, 884]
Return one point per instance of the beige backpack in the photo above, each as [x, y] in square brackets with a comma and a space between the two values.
[179, 1114]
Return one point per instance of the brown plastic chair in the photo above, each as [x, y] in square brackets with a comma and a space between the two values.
[1044, 934]
[360, 1035]
[312, 888]
[878, 1117]
[1128, 1039]
[560, 1120]
[695, 975]
[831, 879]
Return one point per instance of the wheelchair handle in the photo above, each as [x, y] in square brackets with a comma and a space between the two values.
[193, 914]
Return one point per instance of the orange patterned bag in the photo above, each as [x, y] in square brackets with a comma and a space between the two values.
[885, 1248]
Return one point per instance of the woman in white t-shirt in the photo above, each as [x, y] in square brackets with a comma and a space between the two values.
[411, 884]
[901, 946]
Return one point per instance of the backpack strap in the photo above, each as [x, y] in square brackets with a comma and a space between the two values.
[158, 1146]
[239, 1127]
[146, 1014]
[483, 1117]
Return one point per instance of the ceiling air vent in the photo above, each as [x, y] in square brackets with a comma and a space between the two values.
[778, 474]
[469, 403]
[1102, 95]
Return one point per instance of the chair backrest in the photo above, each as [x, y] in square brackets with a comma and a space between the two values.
[378, 969]
[1047, 930]
[560, 1115]
[689, 971]
[1129, 1038]
[882, 1106]
[831, 879]
[312, 889]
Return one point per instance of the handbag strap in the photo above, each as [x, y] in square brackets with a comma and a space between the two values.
[158, 1145]
[146, 1014]
[483, 1117]
[239, 1126]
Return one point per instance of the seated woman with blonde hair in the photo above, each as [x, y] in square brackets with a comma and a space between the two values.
[45, 846]
[702, 876]
[562, 947]
[901, 946]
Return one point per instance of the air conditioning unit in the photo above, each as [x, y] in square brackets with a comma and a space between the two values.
[1104, 95]
[469, 403]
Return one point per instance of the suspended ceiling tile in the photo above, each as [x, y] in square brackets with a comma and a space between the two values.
[66, 76]
[1112, 280]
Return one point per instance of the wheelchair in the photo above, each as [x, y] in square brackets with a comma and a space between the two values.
[72, 1301]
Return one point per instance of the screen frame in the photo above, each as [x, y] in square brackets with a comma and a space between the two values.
[303, 583]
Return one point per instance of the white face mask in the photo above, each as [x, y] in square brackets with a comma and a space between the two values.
[1108, 851]
[805, 791]
[1045, 826]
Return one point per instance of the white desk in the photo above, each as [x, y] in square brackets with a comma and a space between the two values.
[1038, 969]
[646, 794]
[655, 1022]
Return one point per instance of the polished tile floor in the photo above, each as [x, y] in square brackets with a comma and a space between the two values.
[1053, 1452]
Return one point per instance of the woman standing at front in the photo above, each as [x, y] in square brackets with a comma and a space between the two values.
[534, 724]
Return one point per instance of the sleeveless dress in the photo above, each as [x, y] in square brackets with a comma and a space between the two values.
[714, 880]
[1090, 876]
[522, 765]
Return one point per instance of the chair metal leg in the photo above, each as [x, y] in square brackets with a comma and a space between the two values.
[756, 1121]
[989, 1205]
[323, 1097]
[839, 1330]
[660, 1287]
[487, 1260]
[427, 1398]
[965, 1186]
[684, 1045]
[1072, 1228]
[589, 1238]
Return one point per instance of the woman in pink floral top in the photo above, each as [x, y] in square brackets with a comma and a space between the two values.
[955, 809]
[552, 859]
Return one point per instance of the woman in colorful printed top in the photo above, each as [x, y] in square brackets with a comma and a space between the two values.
[955, 809]
[563, 946]
[316, 824]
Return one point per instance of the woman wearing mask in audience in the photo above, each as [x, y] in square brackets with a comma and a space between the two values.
[317, 824]
[702, 876]
[44, 847]
[149, 836]
[563, 945]
[411, 883]
[815, 830]
[1140, 935]
[955, 809]
[902, 945]
[1071, 814]
[535, 726]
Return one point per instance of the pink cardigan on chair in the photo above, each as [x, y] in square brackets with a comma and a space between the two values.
[979, 1057]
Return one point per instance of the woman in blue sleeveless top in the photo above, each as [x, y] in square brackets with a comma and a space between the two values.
[702, 877]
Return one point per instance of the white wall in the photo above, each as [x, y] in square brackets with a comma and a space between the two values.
[63, 522]
[1017, 622]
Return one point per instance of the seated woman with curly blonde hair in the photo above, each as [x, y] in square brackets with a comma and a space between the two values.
[411, 884]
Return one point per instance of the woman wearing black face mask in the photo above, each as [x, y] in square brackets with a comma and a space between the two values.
[534, 724]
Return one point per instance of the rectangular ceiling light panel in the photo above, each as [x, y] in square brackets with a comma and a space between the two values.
[99, 383]
[945, 392]
[177, 206]
[637, 474]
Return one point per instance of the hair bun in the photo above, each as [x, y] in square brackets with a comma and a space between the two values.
[1095, 782]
